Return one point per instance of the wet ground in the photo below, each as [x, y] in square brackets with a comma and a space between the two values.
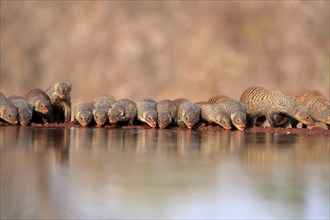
[316, 130]
[62, 171]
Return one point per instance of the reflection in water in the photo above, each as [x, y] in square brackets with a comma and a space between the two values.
[148, 173]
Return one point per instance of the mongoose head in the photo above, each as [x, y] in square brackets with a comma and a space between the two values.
[224, 121]
[100, 116]
[9, 114]
[24, 116]
[24, 109]
[164, 120]
[150, 117]
[191, 117]
[42, 106]
[303, 115]
[116, 113]
[84, 118]
[239, 120]
[62, 90]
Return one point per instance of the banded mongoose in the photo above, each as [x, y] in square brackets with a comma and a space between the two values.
[179, 101]
[146, 112]
[233, 108]
[60, 98]
[167, 112]
[123, 110]
[261, 102]
[8, 111]
[188, 114]
[83, 113]
[41, 105]
[316, 103]
[25, 109]
[215, 113]
[102, 104]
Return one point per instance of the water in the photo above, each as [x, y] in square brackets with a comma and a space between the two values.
[90, 173]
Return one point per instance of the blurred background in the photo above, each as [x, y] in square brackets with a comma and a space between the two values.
[165, 49]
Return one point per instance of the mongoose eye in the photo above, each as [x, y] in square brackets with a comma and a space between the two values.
[237, 120]
[9, 115]
[42, 106]
[96, 117]
[80, 118]
[186, 118]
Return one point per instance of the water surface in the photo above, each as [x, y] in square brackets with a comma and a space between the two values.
[63, 173]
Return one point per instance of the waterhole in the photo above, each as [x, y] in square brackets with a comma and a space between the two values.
[97, 173]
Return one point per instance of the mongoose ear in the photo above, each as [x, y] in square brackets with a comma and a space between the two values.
[70, 85]
[56, 85]
[232, 116]
[296, 111]
[2, 110]
[94, 111]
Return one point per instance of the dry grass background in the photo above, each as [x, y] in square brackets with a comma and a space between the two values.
[165, 49]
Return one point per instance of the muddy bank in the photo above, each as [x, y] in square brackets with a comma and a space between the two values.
[200, 127]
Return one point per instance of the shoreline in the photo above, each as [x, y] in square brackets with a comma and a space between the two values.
[200, 127]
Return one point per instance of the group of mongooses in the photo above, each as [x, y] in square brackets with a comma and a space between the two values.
[256, 106]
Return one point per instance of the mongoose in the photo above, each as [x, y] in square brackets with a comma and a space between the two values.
[179, 101]
[215, 113]
[83, 113]
[234, 108]
[8, 111]
[188, 114]
[316, 103]
[60, 99]
[167, 112]
[25, 109]
[41, 105]
[146, 112]
[260, 102]
[123, 110]
[102, 104]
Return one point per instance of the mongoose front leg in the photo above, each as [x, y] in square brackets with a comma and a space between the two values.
[294, 123]
[280, 120]
[130, 122]
[271, 120]
[67, 113]
[252, 121]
